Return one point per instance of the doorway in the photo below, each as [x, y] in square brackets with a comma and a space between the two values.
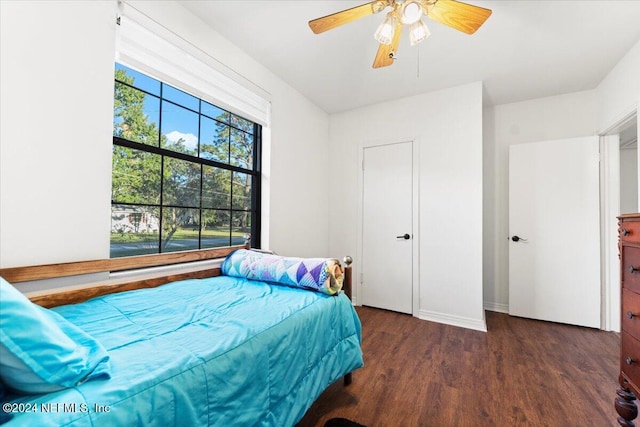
[629, 167]
[619, 162]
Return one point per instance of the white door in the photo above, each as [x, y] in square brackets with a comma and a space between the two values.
[387, 234]
[554, 226]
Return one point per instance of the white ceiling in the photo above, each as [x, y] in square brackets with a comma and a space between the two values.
[525, 50]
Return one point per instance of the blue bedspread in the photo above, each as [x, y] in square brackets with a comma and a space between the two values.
[220, 352]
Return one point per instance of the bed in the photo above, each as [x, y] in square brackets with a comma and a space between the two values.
[225, 350]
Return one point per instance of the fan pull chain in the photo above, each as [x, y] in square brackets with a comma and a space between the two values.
[418, 64]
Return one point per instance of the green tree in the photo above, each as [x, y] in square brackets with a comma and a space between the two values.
[194, 197]
[137, 174]
[130, 121]
[181, 189]
[236, 146]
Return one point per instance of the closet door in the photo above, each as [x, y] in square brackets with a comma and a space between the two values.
[387, 235]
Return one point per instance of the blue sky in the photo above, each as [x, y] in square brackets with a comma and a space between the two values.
[177, 122]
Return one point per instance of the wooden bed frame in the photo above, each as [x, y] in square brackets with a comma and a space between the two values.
[79, 293]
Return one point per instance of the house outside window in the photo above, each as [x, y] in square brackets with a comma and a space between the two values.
[186, 173]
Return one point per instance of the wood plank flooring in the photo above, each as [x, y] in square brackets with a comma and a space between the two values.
[521, 373]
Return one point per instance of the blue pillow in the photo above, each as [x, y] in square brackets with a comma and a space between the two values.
[40, 351]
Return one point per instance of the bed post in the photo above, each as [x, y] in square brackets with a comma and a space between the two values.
[346, 284]
[347, 287]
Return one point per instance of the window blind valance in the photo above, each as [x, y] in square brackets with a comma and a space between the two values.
[147, 46]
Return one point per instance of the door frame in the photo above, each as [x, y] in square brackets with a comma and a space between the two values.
[609, 210]
[415, 202]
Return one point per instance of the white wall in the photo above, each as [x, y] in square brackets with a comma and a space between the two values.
[618, 96]
[57, 93]
[297, 181]
[448, 126]
[56, 80]
[619, 91]
[571, 115]
[558, 117]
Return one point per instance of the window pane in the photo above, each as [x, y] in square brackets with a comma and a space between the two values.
[241, 225]
[214, 140]
[135, 115]
[127, 75]
[241, 149]
[240, 123]
[241, 191]
[181, 185]
[135, 176]
[179, 129]
[216, 230]
[216, 188]
[214, 112]
[134, 230]
[179, 97]
[172, 197]
[180, 229]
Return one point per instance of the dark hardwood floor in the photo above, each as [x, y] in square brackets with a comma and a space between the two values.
[521, 373]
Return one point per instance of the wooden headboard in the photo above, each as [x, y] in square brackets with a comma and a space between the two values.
[75, 294]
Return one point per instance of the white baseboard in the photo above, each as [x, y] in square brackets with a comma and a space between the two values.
[448, 319]
[496, 306]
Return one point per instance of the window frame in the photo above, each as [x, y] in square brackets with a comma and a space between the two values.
[254, 172]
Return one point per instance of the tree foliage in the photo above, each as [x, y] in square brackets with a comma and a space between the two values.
[193, 196]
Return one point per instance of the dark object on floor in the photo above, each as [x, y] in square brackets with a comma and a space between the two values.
[342, 422]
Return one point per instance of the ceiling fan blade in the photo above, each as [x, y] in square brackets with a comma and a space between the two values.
[386, 52]
[337, 19]
[460, 16]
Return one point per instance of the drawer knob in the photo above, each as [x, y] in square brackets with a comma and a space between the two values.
[629, 360]
[625, 232]
[632, 269]
[630, 315]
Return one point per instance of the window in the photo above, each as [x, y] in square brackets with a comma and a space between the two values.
[186, 173]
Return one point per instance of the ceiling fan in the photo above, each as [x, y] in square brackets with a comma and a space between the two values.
[460, 16]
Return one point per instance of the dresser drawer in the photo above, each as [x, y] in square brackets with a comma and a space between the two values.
[631, 313]
[630, 357]
[631, 268]
[629, 231]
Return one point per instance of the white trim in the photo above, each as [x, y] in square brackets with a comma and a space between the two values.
[610, 209]
[145, 45]
[621, 123]
[448, 319]
[415, 173]
[416, 225]
[165, 269]
[496, 306]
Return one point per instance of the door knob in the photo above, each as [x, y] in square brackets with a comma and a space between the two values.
[518, 238]
[404, 236]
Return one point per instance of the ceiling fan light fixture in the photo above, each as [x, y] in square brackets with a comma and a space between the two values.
[418, 32]
[411, 12]
[384, 33]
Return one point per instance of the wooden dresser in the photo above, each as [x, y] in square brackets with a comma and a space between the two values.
[629, 379]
